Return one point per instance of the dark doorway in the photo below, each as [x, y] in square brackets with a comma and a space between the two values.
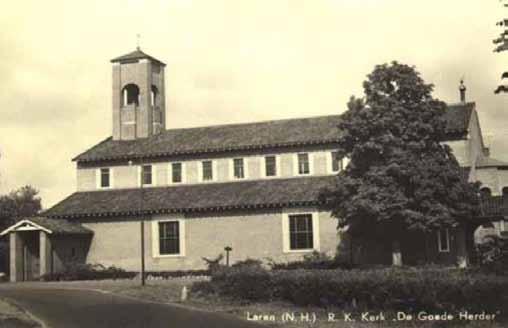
[31, 255]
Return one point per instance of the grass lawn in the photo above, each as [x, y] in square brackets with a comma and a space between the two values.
[13, 317]
[169, 291]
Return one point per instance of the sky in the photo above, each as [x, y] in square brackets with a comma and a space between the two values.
[228, 61]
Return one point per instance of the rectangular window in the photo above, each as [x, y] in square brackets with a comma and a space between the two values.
[238, 168]
[146, 175]
[303, 163]
[105, 181]
[443, 240]
[301, 235]
[169, 238]
[270, 166]
[337, 163]
[176, 172]
[207, 170]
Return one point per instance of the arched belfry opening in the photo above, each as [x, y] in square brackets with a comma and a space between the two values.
[138, 96]
[130, 94]
[153, 96]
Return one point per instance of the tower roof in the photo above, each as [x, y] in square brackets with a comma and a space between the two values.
[135, 56]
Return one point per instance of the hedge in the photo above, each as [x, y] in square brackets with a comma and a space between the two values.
[88, 272]
[81, 271]
[383, 289]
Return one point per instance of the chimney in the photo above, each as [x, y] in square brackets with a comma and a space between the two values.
[462, 89]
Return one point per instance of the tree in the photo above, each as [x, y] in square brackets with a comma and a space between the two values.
[20, 203]
[501, 43]
[400, 177]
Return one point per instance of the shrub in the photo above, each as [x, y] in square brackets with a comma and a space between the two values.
[248, 263]
[80, 271]
[404, 289]
[493, 254]
[313, 261]
[213, 264]
[176, 274]
[249, 282]
[204, 288]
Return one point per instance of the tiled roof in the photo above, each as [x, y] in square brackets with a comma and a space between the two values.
[61, 226]
[269, 193]
[457, 118]
[55, 226]
[491, 162]
[494, 206]
[135, 55]
[280, 133]
[250, 136]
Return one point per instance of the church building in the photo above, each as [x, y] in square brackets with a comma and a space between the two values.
[192, 192]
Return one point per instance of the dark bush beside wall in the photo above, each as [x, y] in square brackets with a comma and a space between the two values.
[493, 254]
[313, 261]
[249, 282]
[176, 274]
[88, 272]
[383, 289]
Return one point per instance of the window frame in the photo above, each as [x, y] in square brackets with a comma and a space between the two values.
[214, 170]
[286, 233]
[329, 163]
[182, 172]
[98, 178]
[277, 166]
[156, 239]
[440, 247]
[296, 164]
[232, 168]
[153, 174]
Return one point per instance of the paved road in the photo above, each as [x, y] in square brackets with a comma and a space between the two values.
[66, 308]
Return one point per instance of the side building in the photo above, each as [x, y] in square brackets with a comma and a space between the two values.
[253, 187]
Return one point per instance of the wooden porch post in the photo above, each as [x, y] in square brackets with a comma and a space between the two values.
[44, 253]
[16, 257]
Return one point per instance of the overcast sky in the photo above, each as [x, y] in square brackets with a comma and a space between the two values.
[227, 61]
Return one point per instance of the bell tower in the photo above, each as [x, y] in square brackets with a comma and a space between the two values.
[139, 109]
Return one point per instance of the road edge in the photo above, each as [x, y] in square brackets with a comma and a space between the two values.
[21, 308]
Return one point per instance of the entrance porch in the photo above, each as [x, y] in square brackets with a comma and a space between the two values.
[39, 246]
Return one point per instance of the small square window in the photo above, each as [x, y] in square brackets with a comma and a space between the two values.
[303, 163]
[207, 170]
[146, 175]
[270, 166]
[176, 173]
[105, 178]
[238, 168]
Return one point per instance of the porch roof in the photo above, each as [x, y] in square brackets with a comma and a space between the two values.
[51, 226]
